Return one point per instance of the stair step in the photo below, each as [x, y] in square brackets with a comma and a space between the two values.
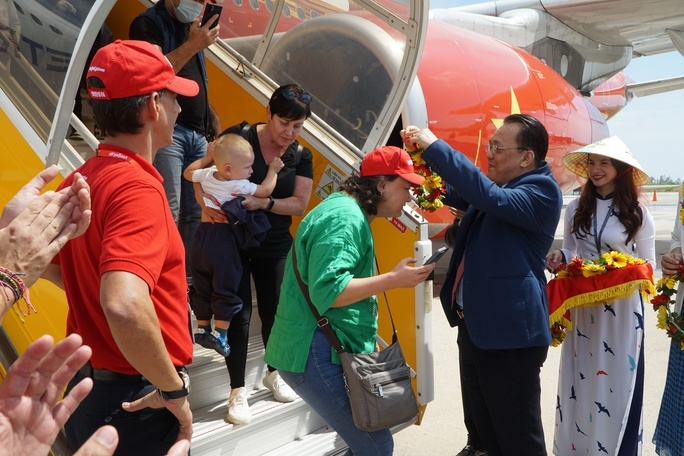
[276, 428]
[274, 425]
[324, 441]
[210, 382]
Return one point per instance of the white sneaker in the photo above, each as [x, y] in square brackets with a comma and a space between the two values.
[238, 408]
[281, 390]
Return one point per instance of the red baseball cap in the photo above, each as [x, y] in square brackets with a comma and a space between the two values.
[390, 160]
[131, 68]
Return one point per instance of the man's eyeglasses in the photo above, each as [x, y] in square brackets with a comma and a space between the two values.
[291, 94]
[494, 149]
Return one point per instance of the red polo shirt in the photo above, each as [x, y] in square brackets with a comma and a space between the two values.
[132, 230]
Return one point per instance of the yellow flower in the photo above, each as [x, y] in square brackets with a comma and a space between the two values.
[431, 205]
[681, 202]
[429, 193]
[615, 259]
[590, 270]
[670, 282]
[433, 182]
[662, 318]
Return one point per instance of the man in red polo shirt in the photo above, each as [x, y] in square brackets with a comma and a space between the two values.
[125, 277]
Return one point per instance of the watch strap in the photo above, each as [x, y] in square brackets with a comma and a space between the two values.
[177, 394]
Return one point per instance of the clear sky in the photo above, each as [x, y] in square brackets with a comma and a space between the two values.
[650, 126]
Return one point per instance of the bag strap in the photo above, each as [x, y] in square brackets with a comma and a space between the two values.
[322, 321]
[395, 338]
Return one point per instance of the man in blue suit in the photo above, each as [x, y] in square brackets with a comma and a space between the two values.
[494, 290]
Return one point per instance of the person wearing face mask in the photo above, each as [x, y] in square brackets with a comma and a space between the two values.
[174, 27]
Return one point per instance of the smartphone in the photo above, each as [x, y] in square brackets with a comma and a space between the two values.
[437, 255]
[209, 11]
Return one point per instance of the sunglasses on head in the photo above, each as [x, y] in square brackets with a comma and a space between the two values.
[291, 94]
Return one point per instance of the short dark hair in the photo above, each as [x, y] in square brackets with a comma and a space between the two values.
[120, 115]
[532, 135]
[289, 109]
[365, 190]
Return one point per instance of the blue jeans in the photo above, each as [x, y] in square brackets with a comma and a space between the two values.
[188, 146]
[321, 385]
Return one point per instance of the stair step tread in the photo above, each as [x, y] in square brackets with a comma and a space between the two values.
[275, 426]
[214, 435]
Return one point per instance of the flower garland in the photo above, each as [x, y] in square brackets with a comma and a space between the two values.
[610, 261]
[431, 192]
[669, 320]
[589, 268]
[681, 204]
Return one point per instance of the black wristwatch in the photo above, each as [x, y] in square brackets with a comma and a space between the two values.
[271, 201]
[177, 394]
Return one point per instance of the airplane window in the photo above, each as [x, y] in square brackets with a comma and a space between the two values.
[313, 14]
[269, 6]
[18, 8]
[36, 20]
[56, 30]
[300, 14]
[74, 11]
[286, 11]
[254, 4]
[237, 2]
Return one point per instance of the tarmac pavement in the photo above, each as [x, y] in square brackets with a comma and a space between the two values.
[442, 432]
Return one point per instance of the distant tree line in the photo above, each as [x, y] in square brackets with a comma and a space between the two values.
[664, 180]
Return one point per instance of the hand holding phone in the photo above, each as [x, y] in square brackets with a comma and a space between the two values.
[437, 255]
[210, 11]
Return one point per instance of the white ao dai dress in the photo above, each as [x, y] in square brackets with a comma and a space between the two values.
[600, 388]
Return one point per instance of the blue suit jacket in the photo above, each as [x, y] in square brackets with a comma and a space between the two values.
[504, 237]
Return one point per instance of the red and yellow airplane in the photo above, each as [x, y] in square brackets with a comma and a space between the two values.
[372, 68]
[560, 61]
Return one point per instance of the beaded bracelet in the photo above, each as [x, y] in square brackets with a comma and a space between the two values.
[13, 281]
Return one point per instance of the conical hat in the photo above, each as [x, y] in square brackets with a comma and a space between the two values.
[611, 147]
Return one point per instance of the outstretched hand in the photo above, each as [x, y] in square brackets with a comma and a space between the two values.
[276, 165]
[201, 36]
[35, 227]
[179, 407]
[215, 215]
[413, 137]
[408, 276]
[553, 260]
[32, 189]
[31, 412]
[671, 262]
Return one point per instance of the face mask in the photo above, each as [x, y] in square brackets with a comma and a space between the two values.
[187, 11]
